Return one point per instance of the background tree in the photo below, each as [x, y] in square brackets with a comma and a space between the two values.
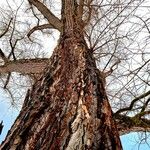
[121, 54]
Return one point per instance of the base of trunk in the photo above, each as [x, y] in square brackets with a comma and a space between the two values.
[67, 108]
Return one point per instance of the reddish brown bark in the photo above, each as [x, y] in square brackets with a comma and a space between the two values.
[68, 107]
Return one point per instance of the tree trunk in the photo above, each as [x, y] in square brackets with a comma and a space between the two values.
[68, 107]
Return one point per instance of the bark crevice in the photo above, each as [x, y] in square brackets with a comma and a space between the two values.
[77, 114]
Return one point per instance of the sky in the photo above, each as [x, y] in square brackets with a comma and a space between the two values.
[9, 114]
[131, 142]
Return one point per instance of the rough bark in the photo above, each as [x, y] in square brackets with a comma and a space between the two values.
[67, 107]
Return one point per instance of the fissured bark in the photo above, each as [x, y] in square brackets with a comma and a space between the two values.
[68, 107]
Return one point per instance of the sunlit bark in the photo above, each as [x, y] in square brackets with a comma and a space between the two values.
[67, 107]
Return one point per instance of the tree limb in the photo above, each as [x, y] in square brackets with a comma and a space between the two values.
[25, 66]
[132, 103]
[52, 19]
[128, 124]
[40, 27]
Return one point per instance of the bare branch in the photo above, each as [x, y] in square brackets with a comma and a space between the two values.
[145, 105]
[145, 24]
[128, 124]
[12, 53]
[1, 127]
[7, 80]
[6, 30]
[112, 68]
[25, 66]
[132, 103]
[35, 15]
[52, 19]
[40, 27]
[2, 55]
